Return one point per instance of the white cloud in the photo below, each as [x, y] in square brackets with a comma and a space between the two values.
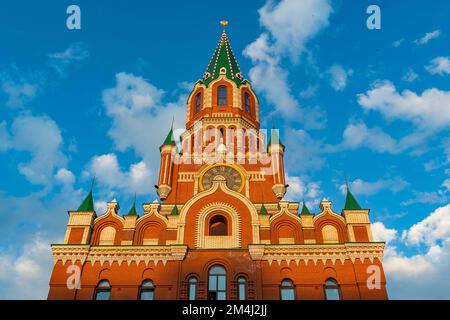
[309, 91]
[410, 76]
[381, 233]
[439, 65]
[135, 108]
[429, 231]
[66, 177]
[424, 274]
[433, 197]
[429, 110]
[41, 137]
[300, 190]
[290, 25]
[18, 92]
[362, 187]
[109, 174]
[61, 60]
[339, 77]
[446, 184]
[25, 275]
[428, 37]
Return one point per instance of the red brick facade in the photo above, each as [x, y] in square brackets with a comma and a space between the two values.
[222, 209]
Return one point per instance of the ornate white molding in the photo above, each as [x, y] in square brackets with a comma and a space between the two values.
[119, 254]
[315, 253]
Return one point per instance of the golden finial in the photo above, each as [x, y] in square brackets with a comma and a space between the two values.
[224, 23]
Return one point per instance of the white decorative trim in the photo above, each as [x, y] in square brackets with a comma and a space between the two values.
[119, 254]
[315, 253]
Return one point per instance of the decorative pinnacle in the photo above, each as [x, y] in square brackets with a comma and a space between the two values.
[224, 23]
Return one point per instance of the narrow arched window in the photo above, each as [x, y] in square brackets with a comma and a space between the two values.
[217, 283]
[192, 288]
[222, 96]
[107, 236]
[332, 291]
[218, 226]
[103, 290]
[147, 290]
[247, 102]
[242, 288]
[330, 234]
[287, 291]
[198, 102]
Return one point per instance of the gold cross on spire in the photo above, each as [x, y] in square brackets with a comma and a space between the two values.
[224, 23]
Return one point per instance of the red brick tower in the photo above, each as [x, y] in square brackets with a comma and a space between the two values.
[223, 229]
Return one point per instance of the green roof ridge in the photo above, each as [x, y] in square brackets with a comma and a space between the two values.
[223, 56]
[88, 203]
[350, 202]
[133, 211]
[170, 139]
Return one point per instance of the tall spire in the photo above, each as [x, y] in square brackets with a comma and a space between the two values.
[350, 201]
[223, 57]
[305, 209]
[170, 139]
[88, 203]
[133, 211]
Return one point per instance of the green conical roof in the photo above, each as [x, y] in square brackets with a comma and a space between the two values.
[170, 139]
[223, 57]
[350, 202]
[174, 210]
[132, 211]
[88, 203]
[305, 209]
[274, 139]
[263, 210]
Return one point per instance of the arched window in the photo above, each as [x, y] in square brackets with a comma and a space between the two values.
[332, 291]
[222, 96]
[218, 226]
[330, 234]
[247, 102]
[217, 283]
[192, 288]
[198, 102]
[287, 291]
[147, 290]
[242, 288]
[103, 290]
[107, 236]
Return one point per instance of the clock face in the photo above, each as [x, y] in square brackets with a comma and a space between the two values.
[232, 176]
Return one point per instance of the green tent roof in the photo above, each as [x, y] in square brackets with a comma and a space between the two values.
[170, 139]
[274, 139]
[305, 209]
[88, 203]
[132, 211]
[174, 210]
[263, 210]
[223, 57]
[350, 202]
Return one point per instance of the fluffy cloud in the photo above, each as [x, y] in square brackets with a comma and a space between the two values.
[135, 107]
[285, 36]
[300, 190]
[428, 111]
[41, 137]
[25, 275]
[439, 65]
[424, 274]
[109, 174]
[339, 77]
[362, 187]
[428, 37]
[433, 197]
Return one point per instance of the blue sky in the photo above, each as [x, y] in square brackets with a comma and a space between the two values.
[372, 105]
